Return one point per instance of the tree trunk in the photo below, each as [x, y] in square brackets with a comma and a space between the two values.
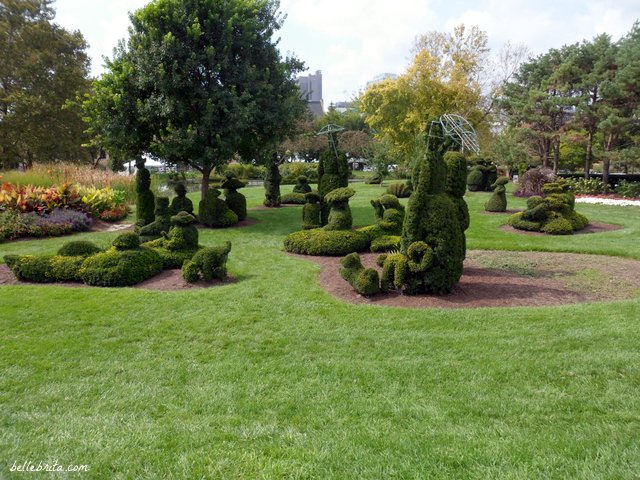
[556, 155]
[606, 165]
[204, 186]
[589, 157]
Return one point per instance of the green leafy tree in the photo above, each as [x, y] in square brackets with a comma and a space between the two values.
[43, 67]
[203, 80]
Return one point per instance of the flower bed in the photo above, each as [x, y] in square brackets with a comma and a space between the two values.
[607, 200]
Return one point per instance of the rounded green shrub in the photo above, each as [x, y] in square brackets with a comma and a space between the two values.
[365, 281]
[190, 272]
[78, 248]
[181, 203]
[120, 268]
[385, 243]
[326, 242]
[516, 221]
[236, 201]
[293, 199]
[214, 212]
[558, 226]
[45, 268]
[399, 190]
[126, 241]
[475, 180]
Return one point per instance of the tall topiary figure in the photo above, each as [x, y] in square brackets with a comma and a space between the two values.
[162, 223]
[498, 201]
[340, 213]
[181, 203]
[433, 243]
[311, 211]
[144, 195]
[236, 202]
[333, 172]
[214, 212]
[272, 185]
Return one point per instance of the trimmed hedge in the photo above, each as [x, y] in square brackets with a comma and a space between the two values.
[214, 212]
[326, 242]
[208, 264]
[45, 268]
[79, 248]
[293, 199]
[120, 268]
[386, 243]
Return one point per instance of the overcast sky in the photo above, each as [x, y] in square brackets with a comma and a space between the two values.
[352, 41]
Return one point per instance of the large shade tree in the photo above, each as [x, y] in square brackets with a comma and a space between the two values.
[42, 68]
[198, 82]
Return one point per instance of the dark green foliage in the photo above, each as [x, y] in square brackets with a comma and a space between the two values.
[272, 181]
[126, 241]
[386, 243]
[498, 201]
[326, 242]
[333, 172]
[399, 189]
[214, 212]
[293, 199]
[179, 244]
[162, 223]
[340, 213]
[120, 268]
[208, 264]
[45, 268]
[144, 199]
[481, 176]
[302, 186]
[78, 248]
[456, 173]
[311, 211]
[181, 203]
[554, 214]
[389, 219]
[433, 241]
[236, 201]
[375, 179]
[394, 271]
[365, 281]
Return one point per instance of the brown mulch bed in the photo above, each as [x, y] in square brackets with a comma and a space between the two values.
[593, 227]
[506, 279]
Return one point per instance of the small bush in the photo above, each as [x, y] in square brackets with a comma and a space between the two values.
[365, 281]
[126, 241]
[59, 222]
[475, 180]
[311, 211]
[498, 201]
[45, 268]
[292, 199]
[78, 248]
[375, 179]
[583, 186]
[628, 189]
[399, 189]
[326, 242]
[558, 226]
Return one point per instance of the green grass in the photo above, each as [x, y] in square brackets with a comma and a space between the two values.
[270, 377]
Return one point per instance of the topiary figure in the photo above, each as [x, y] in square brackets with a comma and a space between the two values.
[292, 199]
[340, 213]
[180, 243]
[46, 268]
[272, 181]
[481, 176]
[214, 212]
[326, 242]
[457, 185]
[144, 195]
[236, 202]
[161, 224]
[433, 242]
[498, 201]
[311, 211]
[302, 186]
[181, 203]
[79, 248]
[375, 179]
[364, 280]
[333, 172]
[208, 264]
[385, 234]
[399, 189]
[553, 214]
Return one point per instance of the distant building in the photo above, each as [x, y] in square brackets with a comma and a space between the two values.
[343, 106]
[381, 78]
[311, 90]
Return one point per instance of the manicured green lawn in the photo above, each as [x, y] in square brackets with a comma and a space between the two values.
[270, 377]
